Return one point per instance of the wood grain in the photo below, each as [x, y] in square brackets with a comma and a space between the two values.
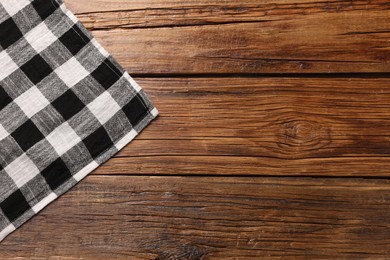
[210, 218]
[242, 36]
[97, 6]
[272, 140]
[263, 126]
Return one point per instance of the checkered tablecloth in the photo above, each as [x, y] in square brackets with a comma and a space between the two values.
[66, 106]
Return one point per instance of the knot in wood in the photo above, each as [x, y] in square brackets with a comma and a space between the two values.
[303, 135]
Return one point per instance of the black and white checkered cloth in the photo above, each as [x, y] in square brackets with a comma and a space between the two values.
[66, 106]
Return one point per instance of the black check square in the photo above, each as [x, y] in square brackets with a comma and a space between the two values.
[56, 174]
[27, 135]
[68, 104]
[135, 110]
[4, 98]
[36, 69]
[97, 142]
[74, 39]
[14, 206]
[106, 74]
[45, 8]
[9, 33]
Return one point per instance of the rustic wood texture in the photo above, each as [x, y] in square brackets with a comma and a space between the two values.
[263, 126]
[272, 141]
[109, 217]
[233, 36]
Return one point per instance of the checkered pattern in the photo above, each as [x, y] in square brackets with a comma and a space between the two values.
[65, 106]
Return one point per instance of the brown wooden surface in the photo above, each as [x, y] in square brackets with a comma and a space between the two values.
[263, 126]
[272, 140]
[278, 36]
[209, 218]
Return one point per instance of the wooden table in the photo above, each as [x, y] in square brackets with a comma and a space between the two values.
[273, 138]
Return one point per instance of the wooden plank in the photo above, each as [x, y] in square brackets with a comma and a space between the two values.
[242, 37]
[209, 218]
[263, 126]
[247, 165]
[147, 15]
[276, 108]
[97, 6]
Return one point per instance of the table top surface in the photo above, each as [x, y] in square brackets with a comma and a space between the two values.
[272, 139]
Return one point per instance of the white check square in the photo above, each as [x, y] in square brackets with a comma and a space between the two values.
[31, 101]
[63, 138]
[3, 133]
[13, 7]
[40, 37]
[71, 72]
[7, 65]
[104, 107]
[22, 170]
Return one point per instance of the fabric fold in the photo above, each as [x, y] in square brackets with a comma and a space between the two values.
[66, 106]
